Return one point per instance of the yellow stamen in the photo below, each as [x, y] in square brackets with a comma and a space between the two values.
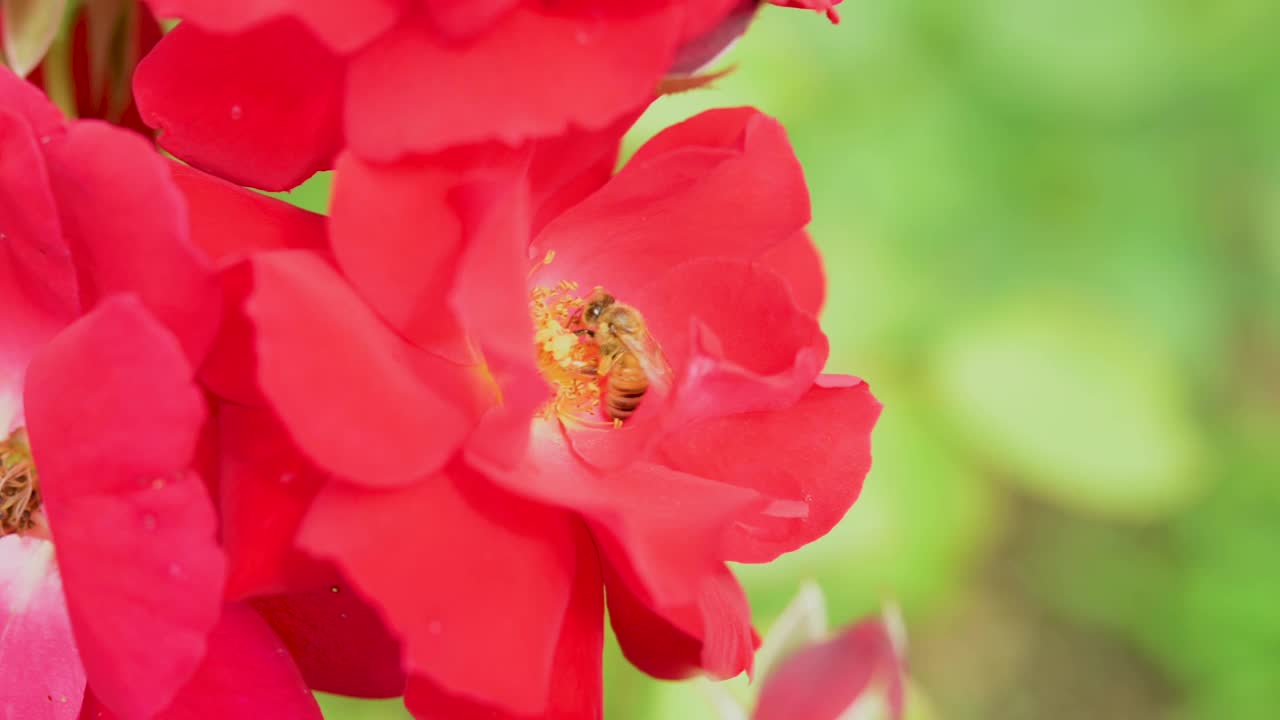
[567, 360]
[19, 486]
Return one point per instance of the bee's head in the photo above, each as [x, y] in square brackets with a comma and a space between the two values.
[595, 307]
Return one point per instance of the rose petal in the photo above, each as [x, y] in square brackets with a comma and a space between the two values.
[724, 184]
[342, 25]
[261, 108]
[825, 681]
[671, 526]
[398, 240]
[386, 414]
[450, 599]
[799, 263]
[113, 419]
[37, 263]
[126, 224]
[567, 168]
[489, 298]
[413, 92]
[228, 222]
[28, 102]
[461, 19]
[826, 7]
[43, 678]
[703, 45]
[711, 633]
[247, 673]
[816, 453]
[37, 280]
[338, 641]
[576, 682]
[266, 489]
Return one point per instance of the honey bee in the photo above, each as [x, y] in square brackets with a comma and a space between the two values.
[630, 359]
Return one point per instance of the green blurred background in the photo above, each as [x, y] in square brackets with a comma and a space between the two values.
[1052, 233]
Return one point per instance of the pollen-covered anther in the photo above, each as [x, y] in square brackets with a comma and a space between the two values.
[567, 360]
[19, 486]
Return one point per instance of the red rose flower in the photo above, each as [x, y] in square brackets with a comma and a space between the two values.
[266, 94]
[110, 571]
[458, 465]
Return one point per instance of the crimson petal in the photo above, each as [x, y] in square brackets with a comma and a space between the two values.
[247, 673]
[338, 641]
[357, 399]
[414, 92]
[474, 548]
[262, 108]
[341, 25]
[229, 222]
[126, 224]
[723, 184]
[814, 454]
[576, 682]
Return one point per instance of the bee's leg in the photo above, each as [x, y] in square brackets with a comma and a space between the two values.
[606, 363]
[583, 367]
[583, 331]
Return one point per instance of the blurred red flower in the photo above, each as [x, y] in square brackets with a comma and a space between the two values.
[110, 570]
[428, 439]
[859, 669]
[265, 94]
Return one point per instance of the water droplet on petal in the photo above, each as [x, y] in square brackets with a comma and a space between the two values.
[286, 478]
[237, 112]
[333, 589]
[157, 484]
[434, 627]
[808, 499]
[342, 615]
[175, 570]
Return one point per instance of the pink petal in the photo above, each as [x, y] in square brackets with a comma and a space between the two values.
[474, 549]
[338, 641]
[114, 419]
[126, 224]
[413, 92]
[261, 108]
[43, 678]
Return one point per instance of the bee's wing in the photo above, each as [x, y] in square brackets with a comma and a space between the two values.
[651, 357]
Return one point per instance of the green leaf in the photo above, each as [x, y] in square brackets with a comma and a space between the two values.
[1073, 407]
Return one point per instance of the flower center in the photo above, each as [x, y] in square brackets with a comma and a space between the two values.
[19, 485]
[567, 358]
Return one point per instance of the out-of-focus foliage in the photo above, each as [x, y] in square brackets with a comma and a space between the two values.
[1053, 238]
